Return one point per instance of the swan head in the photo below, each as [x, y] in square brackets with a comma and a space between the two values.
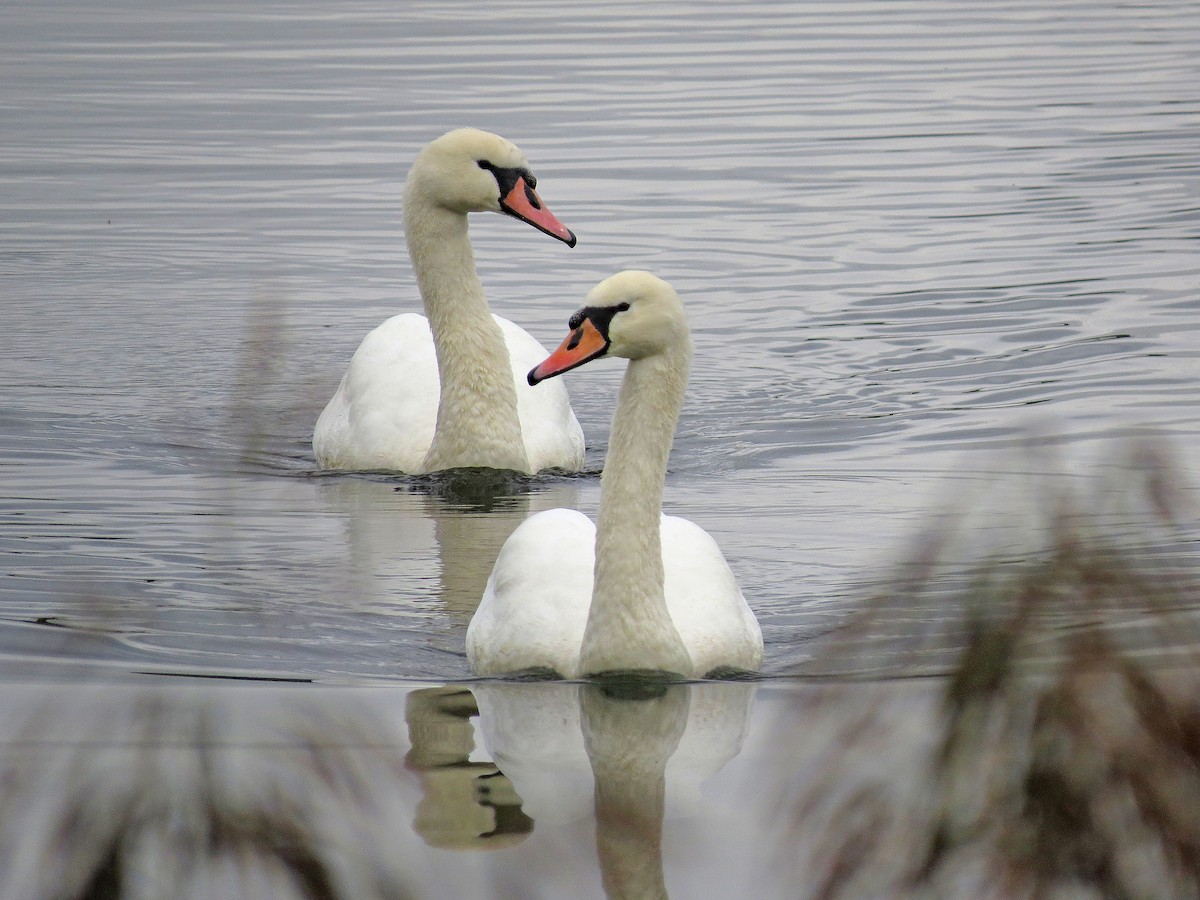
[468, 170]
[632, 315]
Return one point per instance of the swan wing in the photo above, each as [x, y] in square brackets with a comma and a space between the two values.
[384, 412]
[707, 606]
[553, 436]
[535, 605]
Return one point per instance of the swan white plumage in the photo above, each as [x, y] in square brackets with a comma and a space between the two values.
[641, 590]
[426, 394]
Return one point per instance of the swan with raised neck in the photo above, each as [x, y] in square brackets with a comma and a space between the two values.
[423, 394]
[639, 591]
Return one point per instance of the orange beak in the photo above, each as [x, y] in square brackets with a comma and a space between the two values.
[524, 203]
[584, 343]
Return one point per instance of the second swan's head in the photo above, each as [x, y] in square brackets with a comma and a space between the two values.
[632, 314]
[468, 170]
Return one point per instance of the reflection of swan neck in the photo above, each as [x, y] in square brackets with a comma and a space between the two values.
[629, 743]
[629, 817]
[468, 542]
[477, 412]
[629, 626]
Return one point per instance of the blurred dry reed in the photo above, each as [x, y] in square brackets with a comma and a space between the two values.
[117, 791]
[1060, 754]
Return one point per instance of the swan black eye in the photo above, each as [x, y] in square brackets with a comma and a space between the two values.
[506, 179]
[621, 307]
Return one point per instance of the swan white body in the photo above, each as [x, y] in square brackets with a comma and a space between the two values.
[641, 590]
[444, 390]
[384, 413]
[535, 606]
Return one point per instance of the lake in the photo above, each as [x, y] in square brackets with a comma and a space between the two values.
[938, 258]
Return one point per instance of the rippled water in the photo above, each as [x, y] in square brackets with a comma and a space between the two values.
[903, 233]
[909, 235]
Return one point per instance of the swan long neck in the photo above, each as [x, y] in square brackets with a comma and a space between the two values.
[477, 422]
[628, 624]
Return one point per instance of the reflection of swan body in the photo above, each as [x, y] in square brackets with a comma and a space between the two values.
[466, 805]
[427, 394]
[534, 734]
[531, 732]
[405, 548]
[641, 590]
[573, 751]
[718, 719]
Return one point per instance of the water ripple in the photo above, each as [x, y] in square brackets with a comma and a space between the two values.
[900, 231]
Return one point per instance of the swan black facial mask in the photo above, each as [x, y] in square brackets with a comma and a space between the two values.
[588, 340]
[519, 200]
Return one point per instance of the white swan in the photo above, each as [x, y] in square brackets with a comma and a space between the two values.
[642, 591]
[423, 395]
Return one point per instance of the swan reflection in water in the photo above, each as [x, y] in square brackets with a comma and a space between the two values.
[434, 537]
[627, 755]
[259, 791]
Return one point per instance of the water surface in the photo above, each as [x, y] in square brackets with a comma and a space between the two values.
[908, 235]
[903, 233]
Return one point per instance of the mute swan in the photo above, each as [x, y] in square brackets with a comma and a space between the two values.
[422, 395]
[662, 596]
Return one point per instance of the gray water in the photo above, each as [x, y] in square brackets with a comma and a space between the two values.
[905, 234]
[908, 235]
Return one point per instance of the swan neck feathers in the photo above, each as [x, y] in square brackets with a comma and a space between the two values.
[477, 421]
[628, 625]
